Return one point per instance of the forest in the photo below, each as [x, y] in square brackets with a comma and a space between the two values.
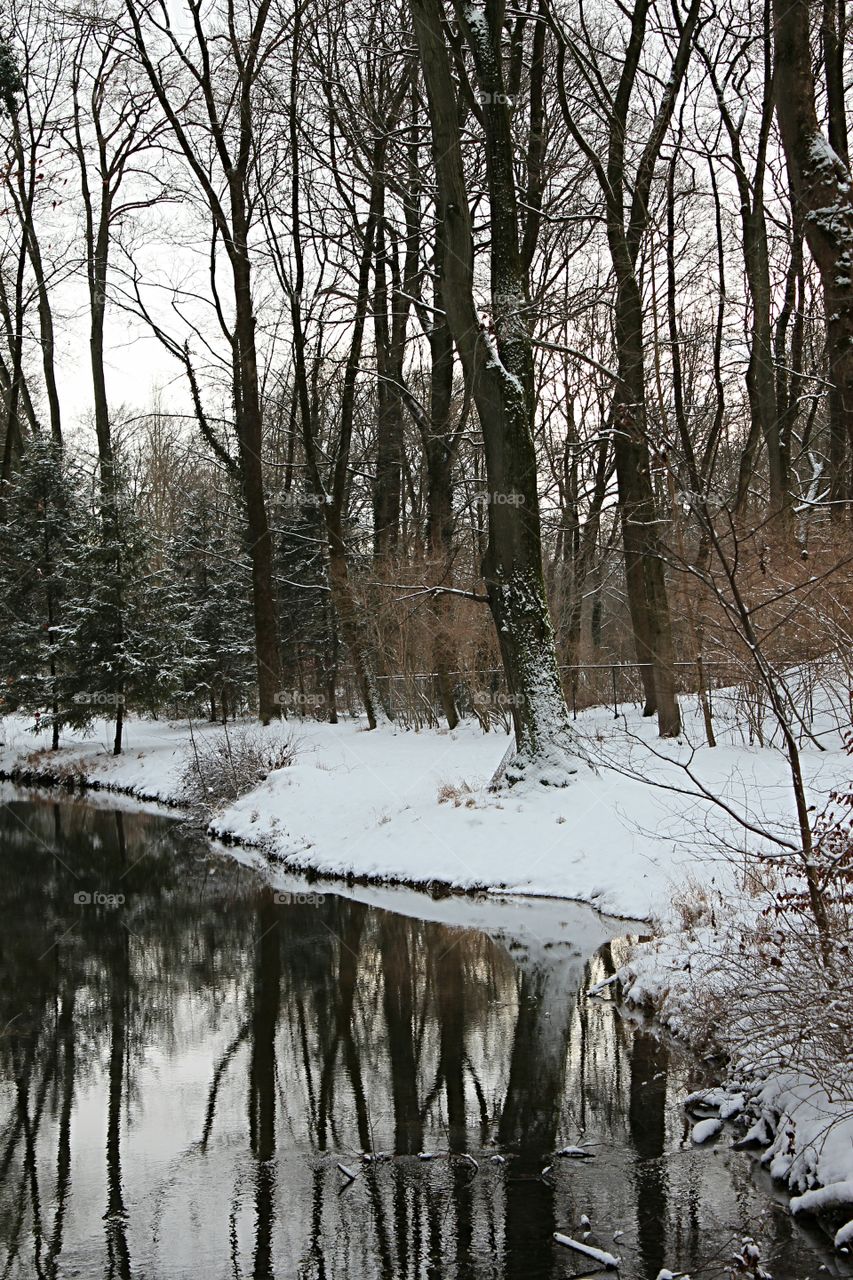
[426, 656]
[502, 346]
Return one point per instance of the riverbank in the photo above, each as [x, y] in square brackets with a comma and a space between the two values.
[747, 988]
[406, 807]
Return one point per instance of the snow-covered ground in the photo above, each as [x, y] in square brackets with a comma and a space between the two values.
[802, 1125]
[413, 807]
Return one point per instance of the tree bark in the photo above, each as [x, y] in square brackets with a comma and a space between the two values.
[250, 438]
[498, 364]
[821, 185]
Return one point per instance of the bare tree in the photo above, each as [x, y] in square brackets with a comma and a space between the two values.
[821, 185]
[111, 128]
[626, 191]
[220, 65]
[33, 122]
[497, 357]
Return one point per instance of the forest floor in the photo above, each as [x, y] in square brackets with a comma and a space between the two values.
[401, 806]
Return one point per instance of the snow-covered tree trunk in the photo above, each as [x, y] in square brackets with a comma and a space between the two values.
[821, 185]
[496, 355]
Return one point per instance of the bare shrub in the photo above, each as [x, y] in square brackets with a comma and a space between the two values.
[777, 985]
[223, 765]
[423, 631]
[456, 793]
[695, 904]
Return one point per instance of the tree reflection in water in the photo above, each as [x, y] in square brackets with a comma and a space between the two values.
[182, 1073]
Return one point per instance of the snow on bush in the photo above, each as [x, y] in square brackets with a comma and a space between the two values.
[223, 765]
[756, 982]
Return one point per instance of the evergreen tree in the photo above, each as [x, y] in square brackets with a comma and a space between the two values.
[211, 578]
[40, 540]
[128, 629]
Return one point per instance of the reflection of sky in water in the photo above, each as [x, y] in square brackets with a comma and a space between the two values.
[181, 1077]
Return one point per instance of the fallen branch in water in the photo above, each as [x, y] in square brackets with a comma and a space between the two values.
[604, 1259]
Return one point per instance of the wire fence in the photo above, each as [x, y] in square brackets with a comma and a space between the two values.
[817, 698]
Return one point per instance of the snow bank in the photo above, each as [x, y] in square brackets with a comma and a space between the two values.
[368, 805]
[836, 1195]
[807, 1135]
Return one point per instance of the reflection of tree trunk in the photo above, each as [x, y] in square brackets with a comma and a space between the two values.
[317, 1202]
[266, 997]
[538, 1069]
[451, 1005]
[218, 1074]
[405, 1219]
[399, 1017]
[65, 1035]
[265, 1007]
[464, 1212]
[348, 928]
[264, 1215]
[15, 1135]
[29, 1129]
[531, 1111]
[647, 1122]
[116, 1216]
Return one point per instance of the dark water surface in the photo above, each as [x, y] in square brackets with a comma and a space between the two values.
[186, 1059]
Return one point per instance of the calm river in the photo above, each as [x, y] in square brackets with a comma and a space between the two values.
[194, 1064]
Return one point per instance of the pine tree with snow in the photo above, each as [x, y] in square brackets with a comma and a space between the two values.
[128, 636]
[40, 533]
[211, 578]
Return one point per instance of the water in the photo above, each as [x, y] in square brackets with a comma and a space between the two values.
[187, 1056]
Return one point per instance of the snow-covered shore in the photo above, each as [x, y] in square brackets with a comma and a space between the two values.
[775, 1095]
[398, 806]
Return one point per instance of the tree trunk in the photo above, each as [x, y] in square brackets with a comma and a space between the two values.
[644, 567]
[821, 184]
[389, 421]
[98, 251]
[498, 364]
[250, 437]
[352, 624]
[440, 450]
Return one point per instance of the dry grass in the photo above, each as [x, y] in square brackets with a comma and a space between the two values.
[457, 794]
